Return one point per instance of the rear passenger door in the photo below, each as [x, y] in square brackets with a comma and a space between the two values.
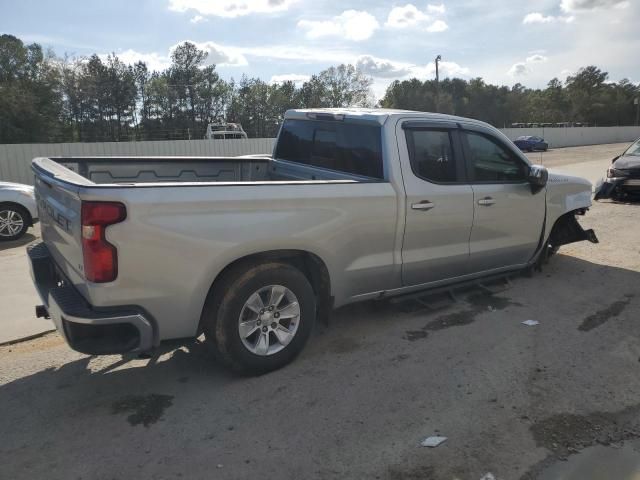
[508, 217]
[439, 203]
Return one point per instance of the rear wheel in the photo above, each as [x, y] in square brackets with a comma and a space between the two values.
[14, 222]
[259, 318]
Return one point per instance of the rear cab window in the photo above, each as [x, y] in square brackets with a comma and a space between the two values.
[353, 148]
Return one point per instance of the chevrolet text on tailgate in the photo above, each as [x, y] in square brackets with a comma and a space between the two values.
[354, 204]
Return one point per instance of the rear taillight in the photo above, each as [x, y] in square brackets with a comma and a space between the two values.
[100, 257]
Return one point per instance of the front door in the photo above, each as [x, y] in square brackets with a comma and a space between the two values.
[439, 203]
[508, 218]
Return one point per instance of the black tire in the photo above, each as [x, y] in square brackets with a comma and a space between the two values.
[17, 211]
[224, 304]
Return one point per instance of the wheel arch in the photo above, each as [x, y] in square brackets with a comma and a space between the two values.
[310, 264]
[566, 229]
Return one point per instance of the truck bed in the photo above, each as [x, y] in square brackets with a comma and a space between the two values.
[188, 218]
[154, 170]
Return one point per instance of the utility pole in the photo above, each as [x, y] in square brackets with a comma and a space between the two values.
[438, 59]
[636, 101]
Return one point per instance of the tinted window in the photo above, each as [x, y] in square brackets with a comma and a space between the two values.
[431, 155]
[491, 162]
[336, 145]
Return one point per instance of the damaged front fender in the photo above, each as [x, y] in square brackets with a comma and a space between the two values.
[568, 230]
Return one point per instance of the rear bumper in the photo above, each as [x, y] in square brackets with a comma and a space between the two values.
[87, 329]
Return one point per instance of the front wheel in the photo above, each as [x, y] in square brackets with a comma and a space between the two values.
[259, 318]
[14, 222]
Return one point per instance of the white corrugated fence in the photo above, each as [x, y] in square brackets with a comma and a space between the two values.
[15, 159]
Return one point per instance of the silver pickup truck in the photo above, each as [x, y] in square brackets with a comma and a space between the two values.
[354, 204]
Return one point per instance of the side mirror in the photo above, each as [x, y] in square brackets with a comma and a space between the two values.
[538, 176]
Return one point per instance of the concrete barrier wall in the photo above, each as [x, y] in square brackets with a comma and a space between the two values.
[576, 136]
[15, 159]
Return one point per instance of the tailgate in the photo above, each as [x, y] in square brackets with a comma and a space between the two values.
[59, 209]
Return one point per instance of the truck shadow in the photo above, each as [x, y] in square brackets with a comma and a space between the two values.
[182, 384]
[26, 239]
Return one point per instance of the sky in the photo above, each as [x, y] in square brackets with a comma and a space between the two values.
[503, 41]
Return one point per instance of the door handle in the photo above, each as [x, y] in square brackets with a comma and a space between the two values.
[486, 201]
[423, 205]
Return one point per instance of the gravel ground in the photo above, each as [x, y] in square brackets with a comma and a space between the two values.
[513, 400]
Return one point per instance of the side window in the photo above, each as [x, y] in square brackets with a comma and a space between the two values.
[489, 161]
[431, 155]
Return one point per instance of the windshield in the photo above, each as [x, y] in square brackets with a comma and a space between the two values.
[634, 149]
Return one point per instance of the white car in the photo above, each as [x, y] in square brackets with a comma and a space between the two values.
[18, 210]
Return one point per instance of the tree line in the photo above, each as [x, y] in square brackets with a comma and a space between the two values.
[44, 98]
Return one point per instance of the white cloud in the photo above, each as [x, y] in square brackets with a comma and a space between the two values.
[351, 24]
[384, 71]
[154, 61]
[290, 77]
[436, 9]
[198, 19]
[520, 69]
[381, 68]
[537, 17]
[437, 26]
[409, 16]
[298, 53]
[570, 7]
[230, 8]
[536, 58]
[585, 5]
[218, 54]
[447, 69]
[390, 69]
